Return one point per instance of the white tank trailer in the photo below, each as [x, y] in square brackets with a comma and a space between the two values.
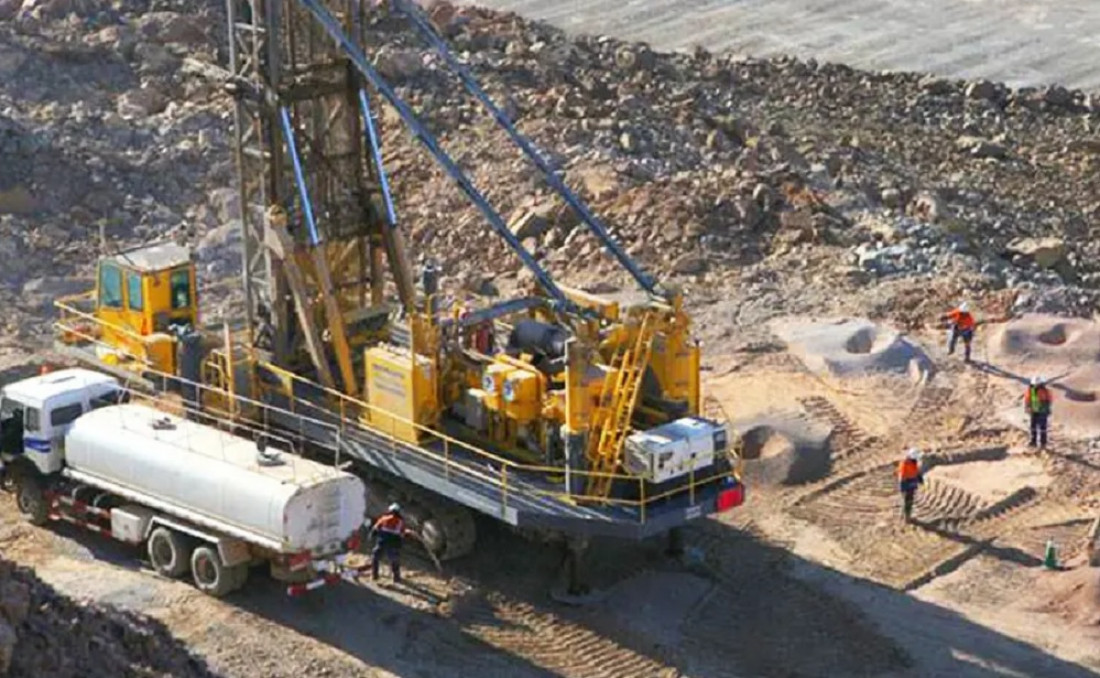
[201, 500]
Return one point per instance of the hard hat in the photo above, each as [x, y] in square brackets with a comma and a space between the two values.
[964, 307]
[1036, 380]
[394, 508]
[913, 454]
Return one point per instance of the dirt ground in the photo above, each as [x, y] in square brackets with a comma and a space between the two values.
[820, 578]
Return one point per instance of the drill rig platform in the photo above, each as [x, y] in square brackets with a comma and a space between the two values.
[559, 412]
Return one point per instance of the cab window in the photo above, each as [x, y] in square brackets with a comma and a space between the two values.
[32, 420]
[66, 414]
[110, 286]
[133, 291]
[180, 286]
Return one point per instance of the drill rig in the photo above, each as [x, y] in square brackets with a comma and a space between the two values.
[561, 412]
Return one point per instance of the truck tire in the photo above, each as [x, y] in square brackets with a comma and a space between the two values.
[31, 500]
[169, 552]
[210, 575]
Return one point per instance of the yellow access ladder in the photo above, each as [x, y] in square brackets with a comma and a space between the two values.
[618, 398]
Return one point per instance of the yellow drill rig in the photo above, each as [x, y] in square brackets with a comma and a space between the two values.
[559, 411]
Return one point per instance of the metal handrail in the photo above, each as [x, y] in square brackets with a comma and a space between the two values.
[504, 480]
[502, 461]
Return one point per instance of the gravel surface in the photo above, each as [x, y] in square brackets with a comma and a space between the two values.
[1022, 42]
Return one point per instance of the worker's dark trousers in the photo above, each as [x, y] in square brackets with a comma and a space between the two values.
[1039, 429]
[967, 336]
[392, 551]
[908, 494]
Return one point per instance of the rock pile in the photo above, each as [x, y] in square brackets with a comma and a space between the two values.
[713, 170]
[45, 634]
[704, 164]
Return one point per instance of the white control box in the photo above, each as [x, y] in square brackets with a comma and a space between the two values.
[675, 449]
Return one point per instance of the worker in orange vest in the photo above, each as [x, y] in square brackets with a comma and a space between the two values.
[962, 326]
[909, 479]
[389, 532]
[1037, 404]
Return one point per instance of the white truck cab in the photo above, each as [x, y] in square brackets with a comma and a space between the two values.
[36, 413]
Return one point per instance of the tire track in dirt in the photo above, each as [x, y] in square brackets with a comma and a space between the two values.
[859, 506]
[554, 642]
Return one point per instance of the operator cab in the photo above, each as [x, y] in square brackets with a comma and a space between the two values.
[147, 290]
[36, 413]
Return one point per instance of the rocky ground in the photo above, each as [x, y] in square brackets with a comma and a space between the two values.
[44, 633]
[715, 171]
[765, 187]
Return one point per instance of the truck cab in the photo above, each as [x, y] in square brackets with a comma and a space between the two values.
[36, 413]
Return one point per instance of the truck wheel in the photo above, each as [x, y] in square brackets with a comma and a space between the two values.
[169, 552]
[31, 501]
[211, 576]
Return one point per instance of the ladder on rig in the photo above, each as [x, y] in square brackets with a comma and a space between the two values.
[618, 398]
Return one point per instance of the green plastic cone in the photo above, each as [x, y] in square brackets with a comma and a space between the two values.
[1050, 557]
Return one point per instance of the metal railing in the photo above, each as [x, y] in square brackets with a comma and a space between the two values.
[342, 416]
[511, 472]
[86, 324]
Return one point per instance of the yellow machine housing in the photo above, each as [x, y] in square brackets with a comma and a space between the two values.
[138, 295]
[394, 388]
[514, 391]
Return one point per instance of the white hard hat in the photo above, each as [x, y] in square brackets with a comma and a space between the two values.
[1036, 380]
[913, 454]
[394, 508]
[964, 307]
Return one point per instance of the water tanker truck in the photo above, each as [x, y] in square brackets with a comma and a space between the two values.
[200, 500]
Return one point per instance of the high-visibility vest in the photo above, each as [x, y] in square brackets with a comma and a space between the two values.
[963, 320]
[908, 470]
[391, 524]
[1038, 400]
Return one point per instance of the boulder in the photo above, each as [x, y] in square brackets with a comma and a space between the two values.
[929, 207]
[17, 200]
[171, 28]
[981, 90]
[981, 148]
[141, 103]
[1045, 252]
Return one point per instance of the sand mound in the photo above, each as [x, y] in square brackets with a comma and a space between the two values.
[784, 449]
[1046, 342]
[848, 348]
[1064, 350]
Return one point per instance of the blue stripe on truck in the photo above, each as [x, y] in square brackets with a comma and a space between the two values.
[37, 444]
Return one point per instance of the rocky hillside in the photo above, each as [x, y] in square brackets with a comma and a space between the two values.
[45, 634]
[784, 185]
